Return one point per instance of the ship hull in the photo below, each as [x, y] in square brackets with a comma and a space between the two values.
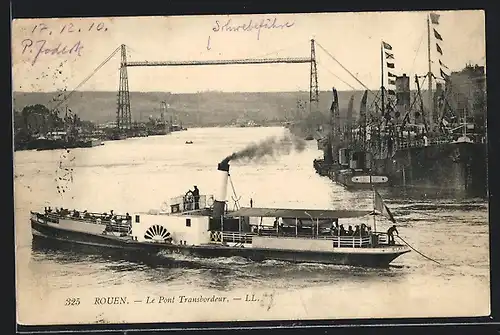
[366, 257]
[351, 180]
[452, 169]
[445, 170]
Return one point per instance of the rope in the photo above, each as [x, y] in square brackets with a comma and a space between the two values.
[416, 53]
[418, 252]
[234, 192]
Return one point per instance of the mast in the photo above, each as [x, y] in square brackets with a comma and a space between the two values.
[429, 74]
[421, 104]
[374, 213]
[382, 77]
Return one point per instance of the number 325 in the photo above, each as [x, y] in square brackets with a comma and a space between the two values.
[72, 302]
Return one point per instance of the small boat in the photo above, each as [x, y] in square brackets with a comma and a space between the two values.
[204, 227]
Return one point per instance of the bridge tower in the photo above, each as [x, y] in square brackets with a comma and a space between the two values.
[123, 115]
[313, 81]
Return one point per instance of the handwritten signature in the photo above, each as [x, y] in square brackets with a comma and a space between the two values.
[251, 26]
[40, 47]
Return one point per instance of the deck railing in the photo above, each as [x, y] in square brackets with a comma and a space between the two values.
[118, 223]
[338, 241]
[184, 203]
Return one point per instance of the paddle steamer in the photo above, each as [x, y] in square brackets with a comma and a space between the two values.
[203, 226]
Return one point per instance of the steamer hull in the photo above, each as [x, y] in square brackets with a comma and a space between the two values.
[51, 232]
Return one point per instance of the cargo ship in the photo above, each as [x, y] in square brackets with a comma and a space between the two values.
[202, 226]
[439, 149]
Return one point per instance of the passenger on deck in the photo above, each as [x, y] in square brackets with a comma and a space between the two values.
[363, 230]
[336, 229]
[390, 234]
[196, 196]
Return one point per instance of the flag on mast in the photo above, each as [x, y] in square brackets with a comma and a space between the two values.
[434, 18]
[381, 207]
[387, 46]
[437, 35]
[438, 48]
[442, 64]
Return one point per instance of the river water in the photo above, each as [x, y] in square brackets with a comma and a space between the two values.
[139, 174]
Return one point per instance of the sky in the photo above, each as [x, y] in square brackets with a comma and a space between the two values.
[354, 39]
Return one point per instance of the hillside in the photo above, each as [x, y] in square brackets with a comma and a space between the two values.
[204, 108]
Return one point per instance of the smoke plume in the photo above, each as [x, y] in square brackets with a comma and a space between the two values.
[269, 147]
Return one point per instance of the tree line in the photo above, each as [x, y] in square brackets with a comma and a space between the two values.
[38, 120]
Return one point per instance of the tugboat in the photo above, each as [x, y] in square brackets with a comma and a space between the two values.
[202, 226]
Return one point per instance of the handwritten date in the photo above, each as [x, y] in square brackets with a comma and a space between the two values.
[40, 47]
[69, 28]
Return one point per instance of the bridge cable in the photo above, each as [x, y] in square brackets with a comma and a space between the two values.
[87, 78]
[359, 81]
[333, 74]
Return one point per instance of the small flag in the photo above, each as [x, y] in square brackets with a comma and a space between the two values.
[391, 75]
[436, 34]
[443, 74]
[390, 65]
[382, 208]
[442, 64]
[439, 49]
[389, 55]
[391, 92]
[392, 82]
[434, 18]
[387, 46]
